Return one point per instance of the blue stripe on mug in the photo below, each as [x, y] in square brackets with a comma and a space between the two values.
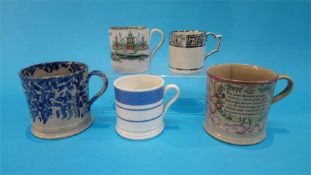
[146, 109]
[139, 121]
[139, 98]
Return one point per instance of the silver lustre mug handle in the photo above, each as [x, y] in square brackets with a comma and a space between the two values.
[219, 37]
[102, 90]
[174, 98]
[159, 44]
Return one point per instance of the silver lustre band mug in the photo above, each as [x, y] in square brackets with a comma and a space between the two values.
[187, 50]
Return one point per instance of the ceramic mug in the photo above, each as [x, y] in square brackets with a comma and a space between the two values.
[57, 96]
[139, 105]
[238, 100]
[130, 48]
[187, 50]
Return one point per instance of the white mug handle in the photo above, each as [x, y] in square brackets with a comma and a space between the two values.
[174, 98]
[159, 44]
[219, 37]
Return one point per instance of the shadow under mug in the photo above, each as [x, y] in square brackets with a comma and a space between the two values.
[140, 107]
[238, 100]
[130, 48]
[187, 50]
[57, 96]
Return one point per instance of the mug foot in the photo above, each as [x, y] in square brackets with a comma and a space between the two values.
[58, 133]
[185, 71]
[238, 140]
[140, 135]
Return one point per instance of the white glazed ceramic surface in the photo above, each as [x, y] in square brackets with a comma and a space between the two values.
[186, 60]
[141, 120]
[130, 48]
[238, 101]
[61, 128]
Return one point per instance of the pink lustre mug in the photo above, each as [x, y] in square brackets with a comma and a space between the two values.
[238, 100]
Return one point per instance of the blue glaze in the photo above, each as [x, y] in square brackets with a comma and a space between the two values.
[63, 96]
[139, 98]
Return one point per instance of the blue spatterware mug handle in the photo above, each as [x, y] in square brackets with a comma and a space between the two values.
[102, 90]
[174, 98]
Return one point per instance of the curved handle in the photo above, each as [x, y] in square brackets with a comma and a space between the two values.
[286, 91]
[102, 90]
[219, 37]
[174, 98]
[159, 44]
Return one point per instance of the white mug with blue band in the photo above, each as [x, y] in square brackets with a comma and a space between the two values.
[140, 107]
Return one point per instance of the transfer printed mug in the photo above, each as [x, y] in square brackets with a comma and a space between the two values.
[187, 50]
[57, 96]
[139, 105]
[238, 100]
[130, 48]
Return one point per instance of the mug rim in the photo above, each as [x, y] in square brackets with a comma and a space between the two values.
[134, 27]
[242, 81]
[56, 76]
[183, 32]
[138, 90]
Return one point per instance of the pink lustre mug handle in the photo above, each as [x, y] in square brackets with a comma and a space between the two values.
[219, 37]
[286, 91]
[159, 44]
